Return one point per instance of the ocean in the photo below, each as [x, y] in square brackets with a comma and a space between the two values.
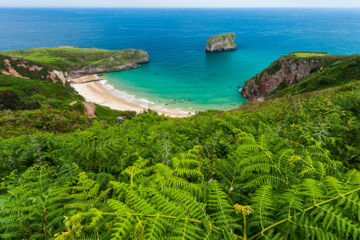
[180, 74]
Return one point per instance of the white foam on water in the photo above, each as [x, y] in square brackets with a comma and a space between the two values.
[144, 103]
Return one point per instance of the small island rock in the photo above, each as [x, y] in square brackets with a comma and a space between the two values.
[221, 43]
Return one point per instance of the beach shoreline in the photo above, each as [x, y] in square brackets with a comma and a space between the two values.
[94, 89]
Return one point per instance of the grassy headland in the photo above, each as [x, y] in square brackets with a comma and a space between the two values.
[70, 58]
[310, 54]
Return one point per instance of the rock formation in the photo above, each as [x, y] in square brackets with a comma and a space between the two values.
[135, 56]
[285, 71]
[22, 68]
[220, 43]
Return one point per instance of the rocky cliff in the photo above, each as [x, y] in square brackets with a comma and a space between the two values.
[220, 43]
[284, 72]
[134, 58]
[22, 68]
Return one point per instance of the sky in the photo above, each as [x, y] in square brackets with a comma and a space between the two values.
[180, 3]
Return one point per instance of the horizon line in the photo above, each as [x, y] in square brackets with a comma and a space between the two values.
[195, 7]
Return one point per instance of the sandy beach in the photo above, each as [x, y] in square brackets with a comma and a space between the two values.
[92, 88]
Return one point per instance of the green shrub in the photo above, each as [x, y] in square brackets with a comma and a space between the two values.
[9, 100]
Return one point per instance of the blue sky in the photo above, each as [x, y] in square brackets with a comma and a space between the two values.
[180, 3]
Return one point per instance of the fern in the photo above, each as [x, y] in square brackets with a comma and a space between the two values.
[221, 210]
[286, 171]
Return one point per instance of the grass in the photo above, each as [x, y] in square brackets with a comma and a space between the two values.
[55, 114]
[220, 36]
[309, 54]
[48, 119]
[110, 115]
[30, 90]
[271, 105]
[231, 34]
[70, 58]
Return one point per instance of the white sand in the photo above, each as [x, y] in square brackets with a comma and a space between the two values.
[94, 91]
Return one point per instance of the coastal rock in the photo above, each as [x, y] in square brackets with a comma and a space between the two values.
[221, 43]
[22, 68]
[134, 57]
[55, 76]
[284, 72]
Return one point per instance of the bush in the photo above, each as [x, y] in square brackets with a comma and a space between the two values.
[9, 100]
[32, 106]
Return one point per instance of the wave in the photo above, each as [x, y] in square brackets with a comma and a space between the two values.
[142, 102]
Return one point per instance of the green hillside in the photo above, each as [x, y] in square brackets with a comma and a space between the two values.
[286, 168]
[68, 58]
[28, 69]
[39, 101]
[28, 106]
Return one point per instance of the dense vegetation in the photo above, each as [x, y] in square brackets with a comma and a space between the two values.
[42, 91]
[30, 105]
[68, 58]
[286, 168]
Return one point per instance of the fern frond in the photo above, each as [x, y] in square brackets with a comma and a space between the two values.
[222, 213]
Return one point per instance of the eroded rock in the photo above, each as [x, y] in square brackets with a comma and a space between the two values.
[284, 71]
[222, 42]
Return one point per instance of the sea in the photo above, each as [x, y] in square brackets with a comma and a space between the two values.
[180, 74]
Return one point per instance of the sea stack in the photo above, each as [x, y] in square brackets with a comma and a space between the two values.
[222, 42]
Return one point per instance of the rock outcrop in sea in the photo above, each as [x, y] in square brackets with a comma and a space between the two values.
[285, 71]
[220, 43]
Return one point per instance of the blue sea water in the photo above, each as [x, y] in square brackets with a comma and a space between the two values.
[180, 74]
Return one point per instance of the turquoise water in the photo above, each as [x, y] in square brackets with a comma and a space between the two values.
[180, 74]
[211, 81]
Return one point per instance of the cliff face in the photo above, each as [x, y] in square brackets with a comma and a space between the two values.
[136, 57]
[284, 71]
[220, 43]
[26, 69]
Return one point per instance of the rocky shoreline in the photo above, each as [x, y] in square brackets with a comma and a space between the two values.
[83, 71]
